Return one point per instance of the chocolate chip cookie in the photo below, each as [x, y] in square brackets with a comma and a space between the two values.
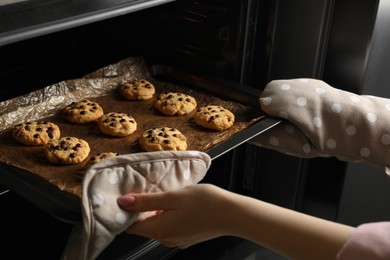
[214, 117]
[137, 90]
[163, 138]
[117, 124]
[82, 112]
[173, 103]
[67, 150]
[36, 132]
[101, 156]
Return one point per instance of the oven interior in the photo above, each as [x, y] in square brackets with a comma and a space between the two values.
[210, 38]
[243, 43]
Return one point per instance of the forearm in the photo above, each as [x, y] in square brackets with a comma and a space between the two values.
[285, 231]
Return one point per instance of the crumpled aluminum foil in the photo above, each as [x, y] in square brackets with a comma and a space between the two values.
[48, 100]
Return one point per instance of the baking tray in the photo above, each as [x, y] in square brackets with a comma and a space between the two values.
[55, 188]
[225, 89]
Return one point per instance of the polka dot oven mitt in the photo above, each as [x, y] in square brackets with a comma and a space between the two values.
[319, 120]
[104, 182]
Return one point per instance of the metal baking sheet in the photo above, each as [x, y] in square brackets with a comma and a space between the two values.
[56, 188]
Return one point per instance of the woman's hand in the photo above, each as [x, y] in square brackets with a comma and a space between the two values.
[184, 217]
[201, 212]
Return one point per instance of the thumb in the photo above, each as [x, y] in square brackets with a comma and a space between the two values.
[142, 202]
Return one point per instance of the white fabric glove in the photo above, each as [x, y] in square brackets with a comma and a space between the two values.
[319, 120]
[104, 182]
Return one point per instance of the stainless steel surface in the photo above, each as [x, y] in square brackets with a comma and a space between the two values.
[366, 191]
[25, 20]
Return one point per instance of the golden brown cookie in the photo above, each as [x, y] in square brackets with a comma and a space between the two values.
[36, 132]
[67, 150]
[117, 124]
[163, 138]
[173, 103]
[137, 90]
[101, 156]
[214, 117]
[84, 111]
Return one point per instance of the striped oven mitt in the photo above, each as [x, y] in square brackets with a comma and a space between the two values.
[105, 181]
[321, 121]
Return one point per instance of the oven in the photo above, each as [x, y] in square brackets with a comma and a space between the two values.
[232, 47]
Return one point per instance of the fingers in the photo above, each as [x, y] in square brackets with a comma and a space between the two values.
[160, 227]
[143, 202]
[146, 227]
